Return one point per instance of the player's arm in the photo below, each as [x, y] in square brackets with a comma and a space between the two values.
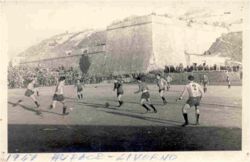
[114, 86]
[182, 93]
[201, 91]
[165, 83]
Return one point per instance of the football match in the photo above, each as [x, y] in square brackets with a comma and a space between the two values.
[156, 77]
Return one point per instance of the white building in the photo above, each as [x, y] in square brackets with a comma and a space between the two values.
[209, 60]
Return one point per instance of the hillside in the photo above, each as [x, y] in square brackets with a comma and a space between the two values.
[64, 45]
[228, 45]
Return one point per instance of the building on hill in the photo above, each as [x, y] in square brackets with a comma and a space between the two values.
[133, 45]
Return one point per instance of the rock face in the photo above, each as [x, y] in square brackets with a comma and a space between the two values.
[228, 45]
[172, 38]
[137, 44]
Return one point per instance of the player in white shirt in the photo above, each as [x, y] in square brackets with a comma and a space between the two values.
[195, 93]
[204, 81]
[30, 92]
[162, 85]
[169, 80]
[58, 95]
[228, 80]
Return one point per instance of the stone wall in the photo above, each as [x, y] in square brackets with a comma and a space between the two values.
[129, 46]
[168, 44]
[138, 44]
[68, 61]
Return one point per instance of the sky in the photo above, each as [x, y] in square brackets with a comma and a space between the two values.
[29, 22]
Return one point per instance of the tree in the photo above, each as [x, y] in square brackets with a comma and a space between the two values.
[84, 64]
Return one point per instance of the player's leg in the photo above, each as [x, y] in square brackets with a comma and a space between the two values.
[143, 103]
[37, 104]
[64, 108]
[168, 86]
[163, 97]
[81, 95]
[34, 100]
[120, 99]
[229, 84]
[18, 102]
[205, 87]
[197, 112]
[185, 115]
[54, 101]
[78, 95]
[151, 105]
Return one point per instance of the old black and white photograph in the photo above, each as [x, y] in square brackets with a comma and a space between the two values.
[124, 76]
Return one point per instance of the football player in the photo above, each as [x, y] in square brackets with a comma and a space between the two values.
[195, 93]
[228, 80]
[31, 91]
[58, 95]
[204, 81]
[145, 96]
[118, 86]
[79, 89]
[169, 80]
[162, 85]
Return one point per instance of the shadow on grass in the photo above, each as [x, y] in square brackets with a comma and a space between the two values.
[156, 120]
[35, 110]
[98, 138]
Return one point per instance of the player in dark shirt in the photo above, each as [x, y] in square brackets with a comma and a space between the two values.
[118, 86]
[145, 96]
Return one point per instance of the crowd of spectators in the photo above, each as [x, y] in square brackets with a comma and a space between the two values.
[18, 77]
[202, 67]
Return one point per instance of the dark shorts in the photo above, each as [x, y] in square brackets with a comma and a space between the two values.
[119, 93]
[145, 95]
[29, 92]
[205, 83]
[160, 90]
[194, 101]
[79, 89]
[58, 97]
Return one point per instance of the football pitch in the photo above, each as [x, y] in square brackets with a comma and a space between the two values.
[91, 126]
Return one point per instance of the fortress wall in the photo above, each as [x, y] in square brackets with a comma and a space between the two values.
[69, 61]
[136, 44]
[168, 44]
[129, 46]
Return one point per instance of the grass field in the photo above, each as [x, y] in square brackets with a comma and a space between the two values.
[91, 126]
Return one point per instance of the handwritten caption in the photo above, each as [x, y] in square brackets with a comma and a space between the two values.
[78, 157]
